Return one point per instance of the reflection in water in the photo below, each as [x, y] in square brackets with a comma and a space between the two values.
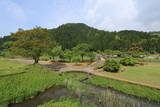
[54, 92]
[89, 94]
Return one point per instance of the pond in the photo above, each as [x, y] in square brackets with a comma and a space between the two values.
[89, 94]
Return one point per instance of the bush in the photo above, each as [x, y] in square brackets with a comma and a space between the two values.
[91, 56]
[45, 58]
[100, 66]
[129, 61]
[111, 65]
[138, 54]
[76, 59]
[7, 54]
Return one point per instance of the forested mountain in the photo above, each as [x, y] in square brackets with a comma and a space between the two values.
[71, 34]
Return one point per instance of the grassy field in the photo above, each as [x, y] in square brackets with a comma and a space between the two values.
[149, 73]
[10, 67]
[37, 78]
[19, 87]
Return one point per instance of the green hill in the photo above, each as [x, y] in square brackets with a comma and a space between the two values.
[71, 34]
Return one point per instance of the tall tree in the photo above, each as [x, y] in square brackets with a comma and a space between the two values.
[56, 52]
[68, 54]
[82, 50]
[32, 43]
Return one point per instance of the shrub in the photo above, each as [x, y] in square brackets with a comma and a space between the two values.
[45, 58]
[100, 66]
[129, 61]
[76, 59]
[137, 54]
[111, 65]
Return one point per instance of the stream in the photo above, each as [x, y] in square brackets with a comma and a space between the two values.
[102, 97]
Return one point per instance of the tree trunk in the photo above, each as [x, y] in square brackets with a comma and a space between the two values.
[82, 57]
[36, 60]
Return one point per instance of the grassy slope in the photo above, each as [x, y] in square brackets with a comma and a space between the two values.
[10, 67]
[20, 87]
[37, 78]
[149, 73]
[152, 94]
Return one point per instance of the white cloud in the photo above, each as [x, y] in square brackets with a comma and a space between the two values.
[123, 14]
[149, 14]
[111, 14]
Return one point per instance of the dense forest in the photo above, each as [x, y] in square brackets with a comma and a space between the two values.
[71, 34]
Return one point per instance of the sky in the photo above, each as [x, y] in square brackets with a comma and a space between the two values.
[110, 15]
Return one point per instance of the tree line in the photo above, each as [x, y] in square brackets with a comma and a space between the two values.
[70, 35]
[79, 39]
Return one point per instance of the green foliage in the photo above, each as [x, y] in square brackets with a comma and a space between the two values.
[137, 54]
[91, 56]
[81, 50]
[111, 65]
[76, 59]
[5, 42]
[56, 52]
[100, 66]
[68, 54]
[66, 103]
[23, 86]
[35, 79]
[7, 45]
[8, 54]
[72, 34]
[45, 57]
[32, 43]
[128, 61]
[151, 45]
[113, 52]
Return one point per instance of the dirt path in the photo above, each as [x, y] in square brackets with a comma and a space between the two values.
[84, 67]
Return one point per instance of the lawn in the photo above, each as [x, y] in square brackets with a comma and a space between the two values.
[149, 73]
